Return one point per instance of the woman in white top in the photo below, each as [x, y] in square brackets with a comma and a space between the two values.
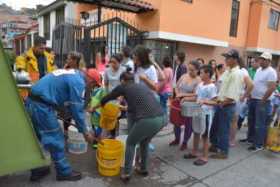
[145, 74]
[113, 72]
[145, 71]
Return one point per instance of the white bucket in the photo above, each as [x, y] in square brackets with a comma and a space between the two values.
[191, 109]
[76, 142]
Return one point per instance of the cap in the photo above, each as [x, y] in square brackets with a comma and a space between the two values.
[94, 75]
[231, 54]
[266, 56]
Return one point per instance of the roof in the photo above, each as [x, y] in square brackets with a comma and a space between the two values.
[136, 6]
[56, 4]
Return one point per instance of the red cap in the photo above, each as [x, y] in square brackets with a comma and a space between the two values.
[94, 75]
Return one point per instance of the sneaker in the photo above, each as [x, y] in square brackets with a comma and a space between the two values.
[255, 149]
[220, 156]
[248, 142]
[39, 173]
[74, 176]
[95, 146]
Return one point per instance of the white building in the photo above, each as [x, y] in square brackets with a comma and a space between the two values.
[60, 11]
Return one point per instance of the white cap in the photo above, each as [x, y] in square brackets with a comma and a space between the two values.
[266, 56]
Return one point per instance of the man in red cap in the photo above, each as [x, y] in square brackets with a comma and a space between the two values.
[92, 74]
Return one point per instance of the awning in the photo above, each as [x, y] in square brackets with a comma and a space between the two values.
[136, 6]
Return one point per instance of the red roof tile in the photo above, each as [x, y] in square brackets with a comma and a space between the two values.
[139, 5]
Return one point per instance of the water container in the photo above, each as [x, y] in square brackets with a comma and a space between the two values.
[76, 141]
[109, 157]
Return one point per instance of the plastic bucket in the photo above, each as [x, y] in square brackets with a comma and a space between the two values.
[76, 143]
[191, 109]
[273, 139]
[109, 157]
[77, 147]
[175, 116]
[109, 116]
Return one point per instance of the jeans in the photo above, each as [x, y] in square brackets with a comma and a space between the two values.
[163, 101]
[141, 132]
[214, 130]
[224, 116]
[258, 121]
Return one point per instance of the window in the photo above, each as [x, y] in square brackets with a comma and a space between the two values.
[273, 19]
[47, 26]
[35, 36]
[22, 46]
[188, 1]
[117, 37]
[234, 18]
[161, 49]
[60, 16]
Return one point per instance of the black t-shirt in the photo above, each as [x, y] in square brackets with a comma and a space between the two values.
[141, 101]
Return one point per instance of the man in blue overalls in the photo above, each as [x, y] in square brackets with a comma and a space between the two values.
[59, 88]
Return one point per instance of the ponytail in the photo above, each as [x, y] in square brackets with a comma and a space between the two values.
[127, 76]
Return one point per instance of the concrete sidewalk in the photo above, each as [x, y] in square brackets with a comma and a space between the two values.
[169, 169]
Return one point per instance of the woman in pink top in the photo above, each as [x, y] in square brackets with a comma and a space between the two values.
[102, 60]
[165, 86]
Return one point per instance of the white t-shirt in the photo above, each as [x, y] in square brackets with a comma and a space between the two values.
[113, 78]
[206, 92]
[244, 73]
[150, 72]
[261, 80]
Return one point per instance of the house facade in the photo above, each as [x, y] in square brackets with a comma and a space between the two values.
[204, 29]
[22, 42]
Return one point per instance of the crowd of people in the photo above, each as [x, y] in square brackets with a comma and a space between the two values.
[225, 93]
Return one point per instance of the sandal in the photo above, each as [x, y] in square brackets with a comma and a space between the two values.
[125, 178]
[190, 156]
[141, 172]
[200, 162]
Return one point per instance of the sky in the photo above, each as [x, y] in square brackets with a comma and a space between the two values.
[18, 4]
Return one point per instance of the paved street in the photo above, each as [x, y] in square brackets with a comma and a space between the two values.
[169, 169]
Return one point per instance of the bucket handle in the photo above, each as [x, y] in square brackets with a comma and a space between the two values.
[103, 165]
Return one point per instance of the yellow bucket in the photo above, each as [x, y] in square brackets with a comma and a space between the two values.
[273, 139]
[109, 116]
[109, 157]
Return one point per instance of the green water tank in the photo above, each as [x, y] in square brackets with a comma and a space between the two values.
[19, 147]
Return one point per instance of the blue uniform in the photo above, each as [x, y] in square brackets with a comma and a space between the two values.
[59, 88]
